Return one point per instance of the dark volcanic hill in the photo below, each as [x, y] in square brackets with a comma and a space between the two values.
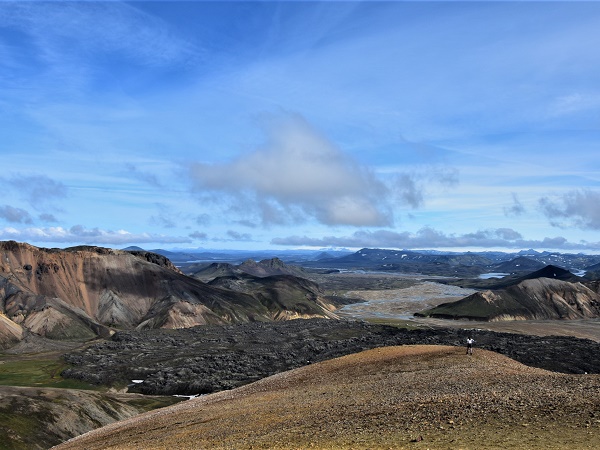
[535, 297]
[269, 267]
[593, 272]
[456, 265]
[82, 292]
[284, 293]
[554, 272]
[215, 270]
[263, 268]
[519, 264]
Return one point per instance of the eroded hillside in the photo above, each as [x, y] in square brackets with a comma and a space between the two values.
[83, 292]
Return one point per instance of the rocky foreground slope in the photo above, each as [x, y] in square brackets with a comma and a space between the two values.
[83, 292]
[395, 397]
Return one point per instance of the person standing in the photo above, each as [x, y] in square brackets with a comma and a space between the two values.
[470, 342]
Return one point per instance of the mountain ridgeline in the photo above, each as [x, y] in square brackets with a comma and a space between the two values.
[468, 265]
[83, 292]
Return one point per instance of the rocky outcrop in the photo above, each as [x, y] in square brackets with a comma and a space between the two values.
[82, 292]
[537, 298]
[207, 359]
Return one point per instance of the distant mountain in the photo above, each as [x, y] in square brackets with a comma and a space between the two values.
[405, 261]
[264, 268]
[288, 296]
[83, 292]
[554, 272]
[269, 267]
[133, 248]
[566, 260]
[215, 270]
[519, 264]
[549, 293]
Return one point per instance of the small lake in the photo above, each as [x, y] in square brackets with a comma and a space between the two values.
[487, 276]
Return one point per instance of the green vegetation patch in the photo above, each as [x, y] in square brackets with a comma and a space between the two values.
[398, 323]
[43, 372]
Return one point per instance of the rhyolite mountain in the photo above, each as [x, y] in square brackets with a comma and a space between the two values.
[549, 293]
[83, 292]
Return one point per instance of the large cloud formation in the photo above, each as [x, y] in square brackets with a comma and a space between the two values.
[298, 175]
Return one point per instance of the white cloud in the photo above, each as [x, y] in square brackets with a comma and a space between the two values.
[574, 103]
[297, 176]
[79, 234]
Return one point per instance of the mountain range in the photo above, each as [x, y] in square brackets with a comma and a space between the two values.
[84, 292]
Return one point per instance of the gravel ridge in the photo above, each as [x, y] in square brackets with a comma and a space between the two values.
[415, 396]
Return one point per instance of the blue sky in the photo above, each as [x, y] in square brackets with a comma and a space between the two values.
[256, 125]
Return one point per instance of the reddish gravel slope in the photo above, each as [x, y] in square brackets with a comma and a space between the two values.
[413, 397]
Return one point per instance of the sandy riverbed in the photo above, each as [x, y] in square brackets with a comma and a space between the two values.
[401, 304]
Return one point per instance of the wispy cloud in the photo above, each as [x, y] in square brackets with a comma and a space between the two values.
[577, 208]
[198, 235]
[144, 176]
[516, 209]
[48, 218]
[15, 215]
[38, 190]
[236, 236]
[102, 27]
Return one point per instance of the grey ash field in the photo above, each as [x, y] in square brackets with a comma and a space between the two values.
[116, 334]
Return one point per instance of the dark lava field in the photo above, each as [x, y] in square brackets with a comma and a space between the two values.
[208, 359]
